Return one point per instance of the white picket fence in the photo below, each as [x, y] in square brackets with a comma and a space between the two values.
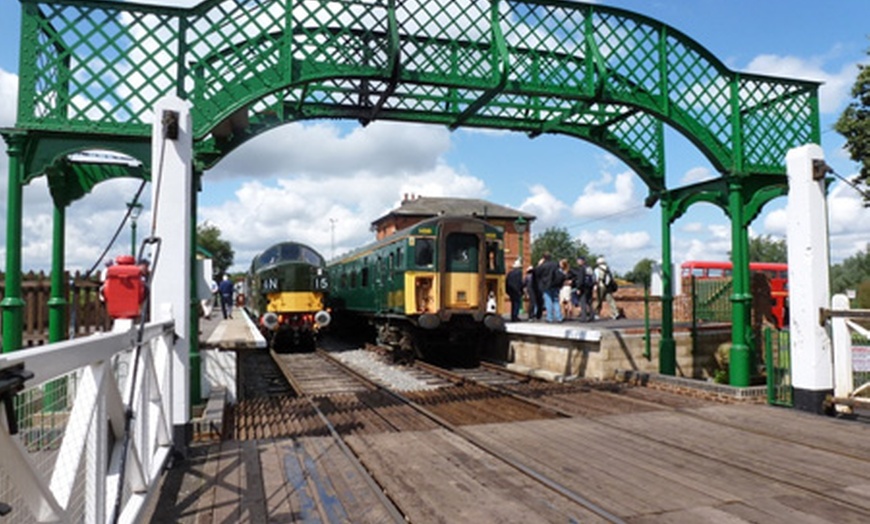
[65, 462]
[849, 393]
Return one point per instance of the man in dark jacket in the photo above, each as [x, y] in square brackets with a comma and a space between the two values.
[549, 278]
[514, 288]
[584, 283]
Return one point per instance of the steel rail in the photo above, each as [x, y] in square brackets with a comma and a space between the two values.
[480, 444]
[392, 509]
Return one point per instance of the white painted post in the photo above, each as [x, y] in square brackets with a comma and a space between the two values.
[809, 291]
[172, 190]
[842, 339]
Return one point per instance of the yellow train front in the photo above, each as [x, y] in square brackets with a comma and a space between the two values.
[435, 289]
[287, 286]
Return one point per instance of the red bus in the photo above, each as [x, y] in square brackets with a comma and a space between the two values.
[777, 274]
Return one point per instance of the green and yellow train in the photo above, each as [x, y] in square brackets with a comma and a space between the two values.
[286, 294]
[432, 289]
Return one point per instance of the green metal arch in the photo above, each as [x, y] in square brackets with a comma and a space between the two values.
[537, 66]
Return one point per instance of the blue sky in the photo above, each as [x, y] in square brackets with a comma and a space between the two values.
[301, 180]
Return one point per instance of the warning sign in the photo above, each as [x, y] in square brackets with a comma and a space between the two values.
[860, 358]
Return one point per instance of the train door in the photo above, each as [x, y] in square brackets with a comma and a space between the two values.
[460, 283]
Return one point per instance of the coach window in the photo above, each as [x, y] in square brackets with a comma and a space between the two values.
[364, 277]
[353, 279]
[424, 252]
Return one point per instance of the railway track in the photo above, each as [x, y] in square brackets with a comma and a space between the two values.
[326, 396]
[448, 406]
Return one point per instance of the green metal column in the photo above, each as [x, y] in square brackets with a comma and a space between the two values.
[12, 304]
[57, 303]
[667, 345]
[195, 363]
[739, 360]
[55, 390]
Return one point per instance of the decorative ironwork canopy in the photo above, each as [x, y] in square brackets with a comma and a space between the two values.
[92, 71]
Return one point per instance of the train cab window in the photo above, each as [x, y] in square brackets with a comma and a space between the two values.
[400, 262]
[424, 252]
[270, 256]
[462, 252]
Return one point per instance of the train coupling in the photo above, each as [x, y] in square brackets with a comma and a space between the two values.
[494, 322]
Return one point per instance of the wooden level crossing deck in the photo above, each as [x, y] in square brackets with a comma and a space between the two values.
[734, 463]
[702, 463]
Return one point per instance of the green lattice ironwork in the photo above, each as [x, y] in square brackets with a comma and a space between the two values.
[91, 72]
[601, 74]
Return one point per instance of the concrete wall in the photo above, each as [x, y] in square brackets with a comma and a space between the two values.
[559, 358]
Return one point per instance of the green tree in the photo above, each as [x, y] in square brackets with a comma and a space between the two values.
[558, 242]
[208, 237]
[766, 249]
[854, 124]
[852, 273]
[641, 273]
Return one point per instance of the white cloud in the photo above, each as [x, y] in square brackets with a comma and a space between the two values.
[305, 208]
[692, 227]
[8, 98]
[607, 196]
[833, 92]
[548, 209]
[622, 250]
[697, 174]
[382, 149]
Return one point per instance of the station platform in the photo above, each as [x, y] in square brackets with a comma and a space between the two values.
[236, 332]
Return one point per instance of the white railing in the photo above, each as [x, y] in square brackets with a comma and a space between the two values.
[67, 461]
[848, 395]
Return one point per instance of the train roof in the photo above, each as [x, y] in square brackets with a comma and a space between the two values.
[288, 251]
[417, 229]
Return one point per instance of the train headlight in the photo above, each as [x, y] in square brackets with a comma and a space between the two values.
[322, 318]
[270, 320]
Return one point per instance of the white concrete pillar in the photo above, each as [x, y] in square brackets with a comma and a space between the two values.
[172, 190]
[809, 290]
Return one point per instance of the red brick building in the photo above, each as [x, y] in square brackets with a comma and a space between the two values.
[416, 208]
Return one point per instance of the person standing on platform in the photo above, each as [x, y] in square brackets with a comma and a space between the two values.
[549, 278]
[514, 288]
[584, 284]
[226, 290]
[605, 284]
[529, 291]
[565, 303]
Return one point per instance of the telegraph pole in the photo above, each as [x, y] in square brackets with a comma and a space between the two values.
[332, 222]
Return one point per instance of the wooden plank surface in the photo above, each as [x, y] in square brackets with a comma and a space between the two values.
[731, 464]
[436, 476]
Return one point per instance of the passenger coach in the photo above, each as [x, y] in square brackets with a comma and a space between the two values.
[432, 288]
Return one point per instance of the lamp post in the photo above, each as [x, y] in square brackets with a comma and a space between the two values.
[135, 210]
[520, 227]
